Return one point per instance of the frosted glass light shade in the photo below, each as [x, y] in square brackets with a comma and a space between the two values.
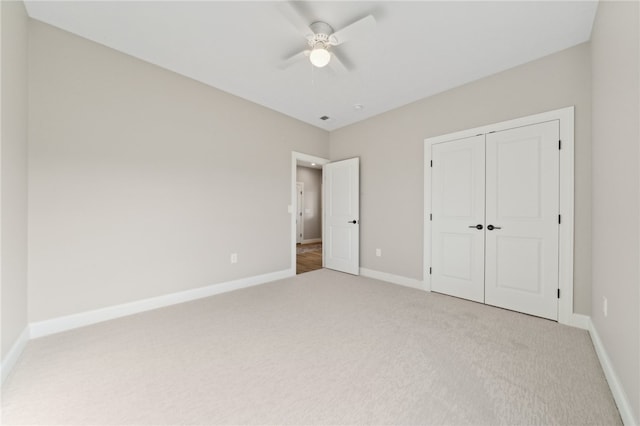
[319, 56]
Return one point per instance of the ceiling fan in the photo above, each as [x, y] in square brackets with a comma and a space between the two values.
[321, 38]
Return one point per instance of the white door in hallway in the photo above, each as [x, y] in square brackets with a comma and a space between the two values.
[299, 211]
[522, 206]
[458, 218]
[341, 232]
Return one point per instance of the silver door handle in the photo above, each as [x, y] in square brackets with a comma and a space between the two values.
[491, 227]
[478, 226]
[353, 221]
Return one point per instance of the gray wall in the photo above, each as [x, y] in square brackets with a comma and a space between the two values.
[142, 182]
[616, 189]
[391, 149]
[312, 179]
[13, 167]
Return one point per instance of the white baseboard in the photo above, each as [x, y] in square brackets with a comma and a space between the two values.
[394, 279]
[619, 395]
[579, 321]
[574, 320]
[69, 322]
[13, 355]
[312, 240]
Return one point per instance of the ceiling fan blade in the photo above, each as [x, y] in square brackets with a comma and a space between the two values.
[355, 30]
[294, 59]
[337, 65]
[295, 18]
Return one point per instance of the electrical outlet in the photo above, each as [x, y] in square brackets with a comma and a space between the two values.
[234, 257]
[379, 252]
[605, 306]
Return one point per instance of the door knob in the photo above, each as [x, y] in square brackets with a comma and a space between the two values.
[353, 221]
[491, 227]
[478, 226]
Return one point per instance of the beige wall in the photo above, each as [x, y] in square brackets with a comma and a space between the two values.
[13, 155]
[142, 182]
[616, 189]
[391, 150]
[312, 179]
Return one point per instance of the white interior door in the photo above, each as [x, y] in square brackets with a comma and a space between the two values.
[522, 205]
[341, 232]
[457, 222]
[299, 210]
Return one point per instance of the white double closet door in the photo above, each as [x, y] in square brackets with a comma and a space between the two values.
[495, 218]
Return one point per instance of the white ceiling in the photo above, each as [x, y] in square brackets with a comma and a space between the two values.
[419, 48]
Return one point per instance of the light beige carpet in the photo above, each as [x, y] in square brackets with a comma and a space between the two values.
[320, 348]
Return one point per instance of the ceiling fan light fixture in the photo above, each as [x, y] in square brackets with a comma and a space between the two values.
[319, 55]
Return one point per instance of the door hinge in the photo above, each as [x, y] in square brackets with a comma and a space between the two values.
[560, 144]
[430, 216]
[559, 219]
[429, 270]
[431, 165]
[558, 293]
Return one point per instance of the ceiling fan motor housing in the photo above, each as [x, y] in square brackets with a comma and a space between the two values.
[321, 33]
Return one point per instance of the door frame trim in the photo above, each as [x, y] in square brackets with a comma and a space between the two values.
[566, 118]
[295, 157]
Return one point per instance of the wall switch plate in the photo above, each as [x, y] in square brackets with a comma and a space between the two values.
[605, 306]
[234, 257]
[378, 252]
[289, 208]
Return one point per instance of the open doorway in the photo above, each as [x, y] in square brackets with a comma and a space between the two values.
[307, 214]
[308, 218]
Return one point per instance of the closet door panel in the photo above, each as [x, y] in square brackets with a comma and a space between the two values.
[457, 208]
[522, 204]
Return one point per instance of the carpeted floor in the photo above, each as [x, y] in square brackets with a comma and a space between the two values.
[319, 348]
